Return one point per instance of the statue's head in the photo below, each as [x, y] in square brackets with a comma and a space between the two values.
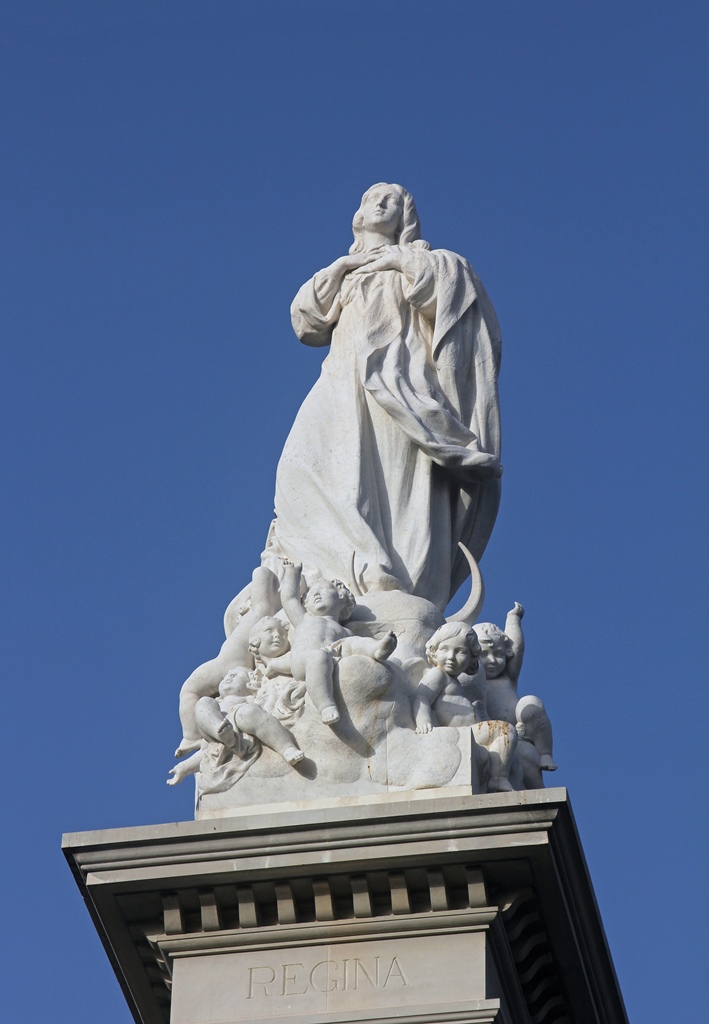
[495, 648]
[235, 683]
[454, 649]
[329, 598]
[268, 638]
[388, 206]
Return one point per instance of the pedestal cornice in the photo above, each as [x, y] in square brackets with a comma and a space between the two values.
[421, 865]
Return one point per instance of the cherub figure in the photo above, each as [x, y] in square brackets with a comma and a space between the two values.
[276, 691]
[452, 650]
[501, 657]
[440, 700]
[204, 681]
[269, 643]
[225, 720]
[320, 636]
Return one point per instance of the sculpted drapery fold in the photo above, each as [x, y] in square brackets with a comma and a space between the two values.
[387, 466]
[340, 674]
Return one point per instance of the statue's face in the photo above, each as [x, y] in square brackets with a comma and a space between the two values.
[234, 685]
[493, 656]
[382, 210]
[452, 656]
[323, 598]
[273, 640]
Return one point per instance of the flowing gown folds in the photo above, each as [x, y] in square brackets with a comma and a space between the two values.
[378, 479]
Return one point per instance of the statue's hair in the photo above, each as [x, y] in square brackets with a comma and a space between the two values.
[347, 598]
[409, 229]
[492, 632]
[450, 631]
[256, 631]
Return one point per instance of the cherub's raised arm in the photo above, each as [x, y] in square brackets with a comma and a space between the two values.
[513, 629]
[430, 686]
[290, 591]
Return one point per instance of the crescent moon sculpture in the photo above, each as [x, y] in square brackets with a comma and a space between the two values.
[471, 609]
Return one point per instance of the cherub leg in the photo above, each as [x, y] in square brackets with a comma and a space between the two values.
[213, 723]
[528, 760]
[379, 649]
[205, 680]
[319, 666]
[265, 597]
[265, 600]
[533, 724]
[254, 720]
[198, 685]
[500, 741]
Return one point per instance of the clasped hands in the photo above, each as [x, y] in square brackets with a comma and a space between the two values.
[385, 257]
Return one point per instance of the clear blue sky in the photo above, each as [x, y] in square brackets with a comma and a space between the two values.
[173, 171]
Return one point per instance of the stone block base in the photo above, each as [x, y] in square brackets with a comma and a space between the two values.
[427, 907]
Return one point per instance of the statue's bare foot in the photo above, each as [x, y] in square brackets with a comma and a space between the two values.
[547, 764]
[292, 755]
[386, 647]
[330, 715]
[226, 734]
[187, 747]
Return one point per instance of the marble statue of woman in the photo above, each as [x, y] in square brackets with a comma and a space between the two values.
[394, 455]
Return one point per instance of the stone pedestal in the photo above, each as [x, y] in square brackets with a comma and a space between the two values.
[418, 907]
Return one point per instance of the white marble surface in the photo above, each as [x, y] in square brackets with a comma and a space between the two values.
[339, 674]
[394, 455]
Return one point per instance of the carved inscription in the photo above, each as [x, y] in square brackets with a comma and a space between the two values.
[347, 975]
[330, 979]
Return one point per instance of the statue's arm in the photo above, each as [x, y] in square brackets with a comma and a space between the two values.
[317, 307]
[513, 629]
[428, 690]
[312, 319]
[420, 280]
[279, 666]
[290, 593]
[474, 688]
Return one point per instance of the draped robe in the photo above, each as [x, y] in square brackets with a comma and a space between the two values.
[379, 478]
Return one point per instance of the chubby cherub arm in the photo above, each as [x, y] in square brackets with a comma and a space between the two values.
[279, 666]
[429, 688]
[190, 766]
[290, 591]
[474, 687]
[513, 629]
